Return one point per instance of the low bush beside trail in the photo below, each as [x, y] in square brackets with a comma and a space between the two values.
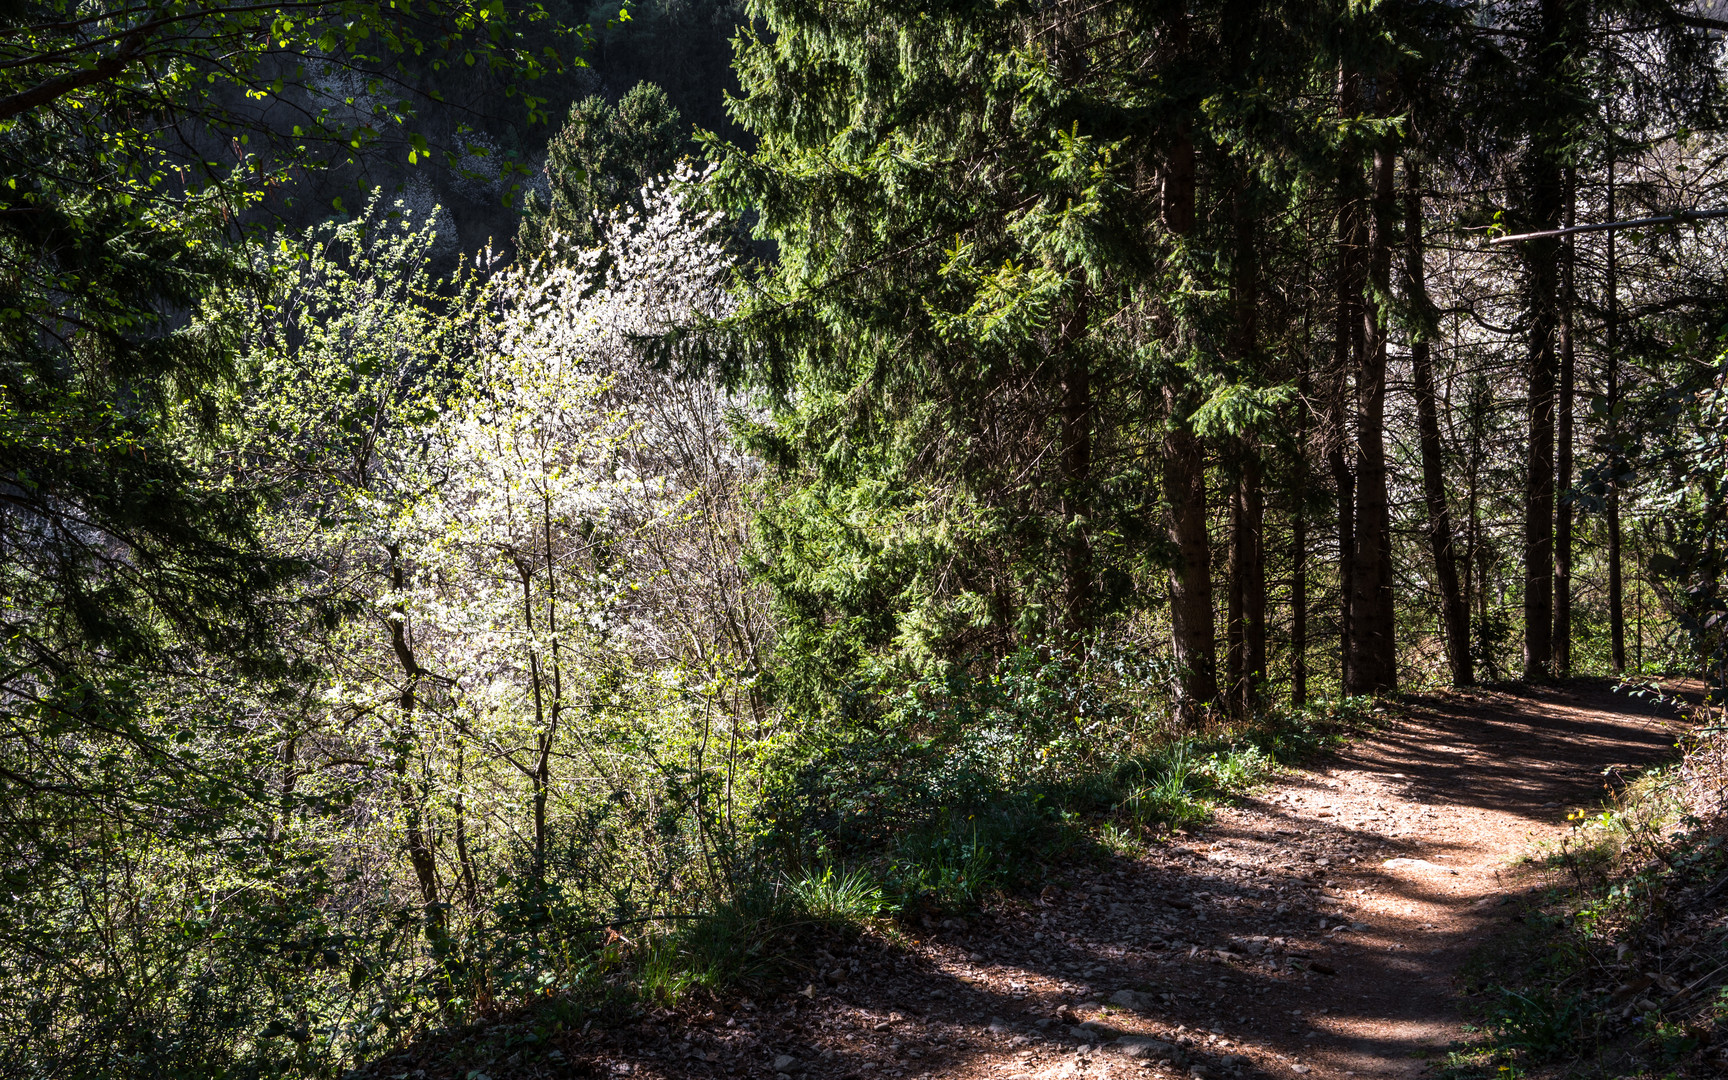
[1620, 965]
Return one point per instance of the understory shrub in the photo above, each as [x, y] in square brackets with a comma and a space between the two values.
[944, 789]
[1621, 967]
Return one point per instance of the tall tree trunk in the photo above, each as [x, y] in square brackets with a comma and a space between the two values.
[1178, 183]
[1177, 175]
[1246, 619]
[1299, 547]
[1193, 634]
[1235, 566]
[420, 855]
[1346, 333]
[1637, 604]
[1539, 476]
[1616, 591]
[1479, 567]
[1373, 651]
[1234, 659]
[1253, 550]
[1344, 489]
[1076, 476]
[1246, 622]
[1299, 608]
[459, 810]
[1543, 182]
[1454, 610]
[538, 776]
[1562, 643]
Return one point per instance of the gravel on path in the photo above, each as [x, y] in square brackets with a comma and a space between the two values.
[1315, 930]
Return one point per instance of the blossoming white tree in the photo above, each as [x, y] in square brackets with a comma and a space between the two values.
[532, 535]
[553, 493]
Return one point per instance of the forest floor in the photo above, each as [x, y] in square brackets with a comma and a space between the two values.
[1320, 928]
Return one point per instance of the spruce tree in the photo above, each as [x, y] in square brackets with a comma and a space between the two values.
[962, 210]
[598, 162]
[1014, 318]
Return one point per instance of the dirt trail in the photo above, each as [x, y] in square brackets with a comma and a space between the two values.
[1315, 931]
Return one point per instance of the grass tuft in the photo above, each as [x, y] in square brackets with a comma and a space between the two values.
[844, 897]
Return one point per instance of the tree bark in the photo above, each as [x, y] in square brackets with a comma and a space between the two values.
[420, 855]
[1176, 181]
[1252, 549]
[1562, 639]
[1539, 483]
[1616, 586]
[459, 810]
[1246, 619]
[1178, 184]
[1193, 634]
[1454, 610]
[1543, 182]
[1235, 676]
[1299, 548]
[538, 776]
[1076, 476]
[1298, 610]
[1373, 653]
[1247, 576]
[1345, 349]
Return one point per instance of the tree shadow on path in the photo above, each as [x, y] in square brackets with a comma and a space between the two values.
[1315, 930]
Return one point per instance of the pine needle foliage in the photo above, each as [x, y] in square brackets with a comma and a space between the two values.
[598, 163]
[993, 301]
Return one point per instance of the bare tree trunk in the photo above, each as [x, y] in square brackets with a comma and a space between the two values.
[1454, 610]
[1178, 184]
[1192, 631]
[1193, 635]
[1480, 555]
[1373, 649]
[1616, 590]
[1235, 570]
[1539, 491]
[547, 716]
[1246, 622]
[1298, 611]
[1542, 288]
[459, 809]
[1076, 475]
[1562, 643]
[1253, 551]
[537, 776]
[1177, 179]
[1299, 549]
[1345, 351]
[420, 855]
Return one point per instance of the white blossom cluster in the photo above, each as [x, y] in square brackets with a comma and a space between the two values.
[569, 492]
[346, 99]
[540, 529]
[416, 209]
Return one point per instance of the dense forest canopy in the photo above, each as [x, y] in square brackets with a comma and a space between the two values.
[479, 476]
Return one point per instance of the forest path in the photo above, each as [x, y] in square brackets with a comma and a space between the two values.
[1316, 930]
[1416, 833]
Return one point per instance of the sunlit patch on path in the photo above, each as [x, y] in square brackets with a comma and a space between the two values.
[1314, 931]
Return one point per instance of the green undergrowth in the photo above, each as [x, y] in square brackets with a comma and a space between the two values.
[973, 806]
[1618, 965]
[872, 830]
[928, 802]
